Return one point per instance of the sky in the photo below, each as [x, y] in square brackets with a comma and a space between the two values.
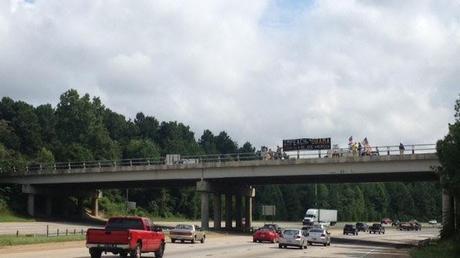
[262, 70]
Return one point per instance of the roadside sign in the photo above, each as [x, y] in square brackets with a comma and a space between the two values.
[268, 210]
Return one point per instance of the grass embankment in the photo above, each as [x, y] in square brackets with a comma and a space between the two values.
[8, 240]
[441, 248]
[11, 217]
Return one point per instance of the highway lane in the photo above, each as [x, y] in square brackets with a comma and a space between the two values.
[228, 246]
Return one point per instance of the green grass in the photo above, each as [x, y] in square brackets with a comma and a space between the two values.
[8, 240]
[10, 217]
[441, 248]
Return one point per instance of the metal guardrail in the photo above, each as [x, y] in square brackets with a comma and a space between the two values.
[33, 168]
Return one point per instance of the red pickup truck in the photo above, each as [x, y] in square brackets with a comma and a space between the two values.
[126, 235]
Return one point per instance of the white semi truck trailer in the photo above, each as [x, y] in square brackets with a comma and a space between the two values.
[313, 216]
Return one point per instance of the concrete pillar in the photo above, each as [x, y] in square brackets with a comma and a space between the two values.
[205, 210]
[49, 206]
[31, 204]
[228, 211]
[217, 209]
[447, 217]
[95, 200]
[248, 213]
[239, 212]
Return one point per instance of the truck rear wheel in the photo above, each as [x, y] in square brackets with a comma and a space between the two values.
[136, 253]
[123, 254]
[159, 253]
[95, 253]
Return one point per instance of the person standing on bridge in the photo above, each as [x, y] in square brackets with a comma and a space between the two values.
[401, 148]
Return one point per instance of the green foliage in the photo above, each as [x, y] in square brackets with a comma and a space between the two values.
[45, 156]
[446, 248]
[141, 149]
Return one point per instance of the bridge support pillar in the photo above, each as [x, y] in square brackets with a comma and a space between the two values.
[205, 210]
[228, 211]
[217, 211]
[447, 203]
[248, 213]
[239, 212]
[31, 204]
[95, 203]
[49, 206]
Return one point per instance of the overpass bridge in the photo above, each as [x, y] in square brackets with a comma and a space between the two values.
[231, 175]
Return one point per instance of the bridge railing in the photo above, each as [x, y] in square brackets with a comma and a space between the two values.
[10, 167]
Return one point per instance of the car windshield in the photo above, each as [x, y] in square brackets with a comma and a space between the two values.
[124, 223]
[290, 232]
[186, 227]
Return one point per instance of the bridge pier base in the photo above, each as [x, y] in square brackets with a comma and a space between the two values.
[447, 203]
[95, 203]
[248, 213]
[49, 206]
[31, 204]
[239, 212]
[228, 211]
[217, 211]
[205, 210]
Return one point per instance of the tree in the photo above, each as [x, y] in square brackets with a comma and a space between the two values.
[448, 151]
[247, 148]
[208, 142]
[141, 149]
[148, 126]
[225, 144]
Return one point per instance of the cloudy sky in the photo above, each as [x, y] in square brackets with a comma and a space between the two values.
[262, 70]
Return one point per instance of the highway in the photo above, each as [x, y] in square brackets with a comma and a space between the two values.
[230, 245]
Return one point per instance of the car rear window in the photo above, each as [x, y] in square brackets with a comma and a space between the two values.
[316, 230]
[290, 232]
[186, 227]
[124, 223]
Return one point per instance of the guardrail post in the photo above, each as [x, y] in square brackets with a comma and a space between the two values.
[66, 232]
[298, 154]
[27, 169]
[47, 230]
[84, 164]
[99, 164]
[57, 232]
[413, 149]
[54, 167]
[130, 162]
[319, 153]
[114, 163]
[68, 166]
[148, 162]
[81, 231]
[41, 167]
[14, 169]
[238, 156]
[17, 233]
[388, 150]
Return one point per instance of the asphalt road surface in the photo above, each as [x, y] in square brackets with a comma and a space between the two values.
[229, 246]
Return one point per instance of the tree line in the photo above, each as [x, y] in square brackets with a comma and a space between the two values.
[81, 128]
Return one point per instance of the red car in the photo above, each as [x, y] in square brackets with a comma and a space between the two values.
[386, 221]
[126, 235]
[265, 234]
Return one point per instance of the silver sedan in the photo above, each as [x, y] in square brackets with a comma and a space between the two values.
[319, 236]
[184, 232]
[293, 237]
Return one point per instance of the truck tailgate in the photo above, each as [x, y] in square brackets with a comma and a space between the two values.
[101, 236]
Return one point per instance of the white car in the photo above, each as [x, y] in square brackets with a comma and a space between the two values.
[433, 222]
[293, 237]
[319, 236]
[185, 232]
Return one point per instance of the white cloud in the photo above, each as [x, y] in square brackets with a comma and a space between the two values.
[387, 71]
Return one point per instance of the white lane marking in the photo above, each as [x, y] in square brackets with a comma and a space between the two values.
[369, 252]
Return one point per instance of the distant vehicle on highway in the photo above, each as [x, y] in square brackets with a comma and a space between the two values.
[377, 228]
[293, 237]
[187, 232]
[265, 234]
[360, 226]
[319, 236]
[126, 235]
[433, 222]
[327, 217]
[386, 221]
[411, 225]
[350, 229]
[275, 227]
